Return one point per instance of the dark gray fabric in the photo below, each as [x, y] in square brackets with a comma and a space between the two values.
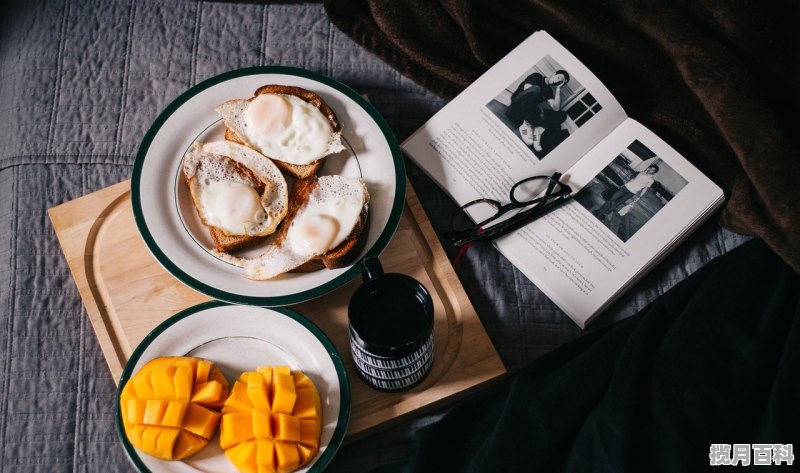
[80, 82]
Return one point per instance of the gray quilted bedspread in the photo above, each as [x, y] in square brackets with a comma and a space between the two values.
[80, 82]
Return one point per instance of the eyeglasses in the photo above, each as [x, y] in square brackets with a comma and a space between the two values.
[526, 194]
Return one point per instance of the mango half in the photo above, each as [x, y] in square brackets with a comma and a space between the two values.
[170, 407]
[272, 421]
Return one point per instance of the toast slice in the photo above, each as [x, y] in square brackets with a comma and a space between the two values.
[318, 207]
[300, 171]
[269, 185]
[344, 253]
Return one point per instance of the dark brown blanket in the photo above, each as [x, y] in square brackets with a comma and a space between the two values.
[720, 81]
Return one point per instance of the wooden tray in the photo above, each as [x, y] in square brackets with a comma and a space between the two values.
[127, 293]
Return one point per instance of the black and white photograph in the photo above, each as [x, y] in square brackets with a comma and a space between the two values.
[628, 192]
[544, 106]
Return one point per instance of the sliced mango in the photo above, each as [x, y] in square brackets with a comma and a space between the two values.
[257, 392]
[154, 411]
[202, 371]
[286, 456]
[262, 425]
[163, 380]
[305, 405]
[286, 427]
[166, 442]
[201, 421]
[236, 428]
[166, 412]
[309, 432]
[244, 456]
[134, 411]
[183, 382]
[306, 453]
[265, 458]
[269, 423]
[188, 444]
[282, 392]
[205, 393]
[173, 416]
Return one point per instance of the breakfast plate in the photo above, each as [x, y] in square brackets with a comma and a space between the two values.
[169, 225]
[239, 338]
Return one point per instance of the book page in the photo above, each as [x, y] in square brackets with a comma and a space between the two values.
[635, 196]
[536, 111]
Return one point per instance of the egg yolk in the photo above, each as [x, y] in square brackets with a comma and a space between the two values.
[315, 234]
[268, 113]
[233, 206]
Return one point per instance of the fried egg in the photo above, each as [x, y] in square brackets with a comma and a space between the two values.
[325, 220]
[235, 189]
[282, 127]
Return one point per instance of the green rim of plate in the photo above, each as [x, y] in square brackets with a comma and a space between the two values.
[338, 362]
[297, 297]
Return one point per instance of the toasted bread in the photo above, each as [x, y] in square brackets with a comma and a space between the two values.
[346, 252]
[233, 243]
[225, 241]
[299, 171]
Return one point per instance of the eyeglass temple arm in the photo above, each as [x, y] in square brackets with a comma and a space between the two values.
[514, 223]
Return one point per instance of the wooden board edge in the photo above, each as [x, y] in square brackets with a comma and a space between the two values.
[446, 273]
[59, 216]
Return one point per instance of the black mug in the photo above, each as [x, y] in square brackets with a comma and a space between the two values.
[391, 329]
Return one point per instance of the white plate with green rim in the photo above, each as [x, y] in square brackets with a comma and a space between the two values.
[168, 222]
[239, 338]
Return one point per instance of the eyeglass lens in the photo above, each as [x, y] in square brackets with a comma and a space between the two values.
[474, 212]
[527, 190]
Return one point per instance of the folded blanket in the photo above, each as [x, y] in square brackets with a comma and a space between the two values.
[714, 361]
[717, 80]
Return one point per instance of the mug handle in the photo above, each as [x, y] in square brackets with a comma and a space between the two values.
[371, 268]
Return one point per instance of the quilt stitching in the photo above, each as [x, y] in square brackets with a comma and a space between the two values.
[10, 321]
[125, 75]
[59, 69]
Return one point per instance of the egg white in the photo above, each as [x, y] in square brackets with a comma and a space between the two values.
[336, 197]
[214, 184]
[307, 138]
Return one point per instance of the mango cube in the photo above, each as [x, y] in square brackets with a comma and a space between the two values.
[183, 382]
[236, 428]
[173, 416]
[238, 400]
[305, 406]
[287, 457]
[206, 393]
[202, 371]
[257, 389]
[262, 425]
[187, 444]
[243, 455]
[283, 393]
[265, 459]
[163, 380]
[306, 453]
[150, 438]
[286, 427]
[166, 442]
[134, 411]
[154, 411]
[201, 421]
[309, 432]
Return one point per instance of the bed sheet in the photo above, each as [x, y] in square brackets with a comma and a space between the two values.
[80, 82]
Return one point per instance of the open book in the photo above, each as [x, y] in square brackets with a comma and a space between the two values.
[537, 111]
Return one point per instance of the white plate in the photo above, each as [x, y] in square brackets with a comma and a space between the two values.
[169, 224]
[239, 339]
